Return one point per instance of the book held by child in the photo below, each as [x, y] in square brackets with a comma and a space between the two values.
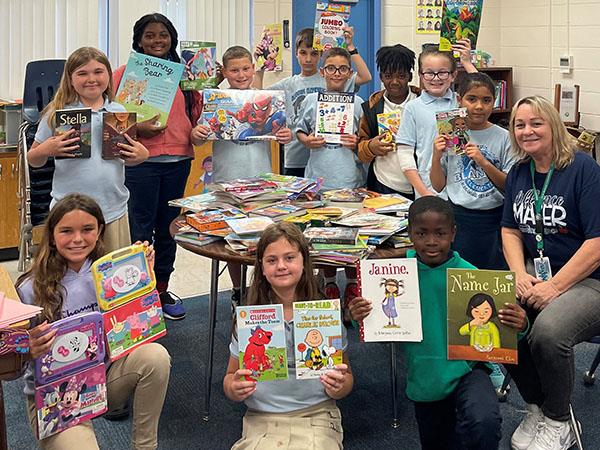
[335, 113]
[200, 70]
[330, 19]
[453, 124]
[114, 128]
[460, 19]
[268, 50]
[80, 120]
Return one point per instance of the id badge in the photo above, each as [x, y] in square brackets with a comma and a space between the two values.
[543, 271]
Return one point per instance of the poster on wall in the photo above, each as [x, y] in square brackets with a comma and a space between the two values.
[428, 16]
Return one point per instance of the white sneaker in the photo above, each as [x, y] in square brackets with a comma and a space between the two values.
[527, 429]
[553, 435]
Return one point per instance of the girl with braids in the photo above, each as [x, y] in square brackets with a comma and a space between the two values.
[61, 282]
[301, 413]
[163, 177]
[395, 65]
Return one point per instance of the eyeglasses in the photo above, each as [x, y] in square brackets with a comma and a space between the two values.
[331, 69]
[442, 75]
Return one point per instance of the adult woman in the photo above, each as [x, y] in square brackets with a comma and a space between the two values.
[163, 176]
[551, 221]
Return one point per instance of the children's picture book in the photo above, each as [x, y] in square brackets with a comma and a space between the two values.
[148, 86]
[14, 340]
[331, 235]
[80, 120]
[249, 225]
[213, 219]
[70, 400]
[262, 342]
[132, 324]
[200, 69]
[474, 330]
[78, 344]
[114, 128]
[393, 287]
[268, 50]
[278, 211]
[200, 202]
[335, 115]
[13, 311]
[317, 337]
[453, 124]
[330, 20]
[236, 114]
[121, 276]
[389, 122]
[460, 19]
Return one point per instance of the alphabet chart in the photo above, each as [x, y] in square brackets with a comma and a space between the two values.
[335, 115]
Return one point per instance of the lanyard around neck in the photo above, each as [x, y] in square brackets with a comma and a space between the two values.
[538, 202]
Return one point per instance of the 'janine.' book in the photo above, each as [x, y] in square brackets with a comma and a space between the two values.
[317, 337]
[393, 287]
[243, 114]
[262, 342]
[81, 121]
[114, 128]
[200, 69]
[460, 19]
[453, 123]
[474, 331]
[268, 49]
[148, 86]
[335, 115]
[330, 20]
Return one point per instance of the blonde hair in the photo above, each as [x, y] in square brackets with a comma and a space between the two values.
[66, 94]
[563, 144]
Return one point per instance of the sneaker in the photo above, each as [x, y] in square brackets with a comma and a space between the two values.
[332, 290]
[553, 435]
[496, 376]
[172, 306]
[527, 429]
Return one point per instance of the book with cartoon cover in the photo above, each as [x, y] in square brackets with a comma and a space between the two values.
[262, 342]
[200, 70]
[393, 287]
[330, 19]
[334, 115]
[331, 235]
[269, 48]
[235, 114]
[453, 124]
[317, 337]
[79, 119]
[460, 19]
[249, 225]
[148, 86]
[115, 125]
[389, 122]
[474, 330]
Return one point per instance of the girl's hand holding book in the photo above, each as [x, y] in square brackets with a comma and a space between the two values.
[149, 251]
[61, 145]
[349, 141]
[284, 135]
[240, 389]
[360, 308]
[133, 153]
[41, 340]
[334, 380]
[149, 128]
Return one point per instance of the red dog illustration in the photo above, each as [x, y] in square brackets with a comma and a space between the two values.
[255, 357]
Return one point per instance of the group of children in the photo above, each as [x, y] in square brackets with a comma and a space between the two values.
[454, 401]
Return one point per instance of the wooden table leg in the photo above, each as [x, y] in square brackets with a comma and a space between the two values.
[212, 322]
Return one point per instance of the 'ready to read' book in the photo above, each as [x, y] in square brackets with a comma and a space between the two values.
[460, 19]
[200, 70]
[335, 115]
[330, 19]
[268, 49]
[114, 126]
[453, 123]
[474, 330]
[331, 235]
[392, 285]
[80, 120]
[148, 86]
[262, 342]
[318, 337]
[244, 115]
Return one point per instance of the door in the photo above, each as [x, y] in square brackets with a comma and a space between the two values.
[9, 202]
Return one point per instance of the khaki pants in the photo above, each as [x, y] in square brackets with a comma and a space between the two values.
[117, 234]
[316, 428]
[143, 373]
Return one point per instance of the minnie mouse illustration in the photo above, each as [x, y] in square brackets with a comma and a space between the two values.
[70, 404]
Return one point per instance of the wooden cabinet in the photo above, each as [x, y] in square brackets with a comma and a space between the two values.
[9, 202]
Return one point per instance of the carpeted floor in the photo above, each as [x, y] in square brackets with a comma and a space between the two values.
[367, 412]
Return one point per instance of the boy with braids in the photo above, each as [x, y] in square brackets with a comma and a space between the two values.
[395, 64]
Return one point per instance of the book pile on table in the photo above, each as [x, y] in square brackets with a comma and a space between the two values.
[336, 246]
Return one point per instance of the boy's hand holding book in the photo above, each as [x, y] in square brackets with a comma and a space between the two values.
[150, 128]
[349, 141]
[310, 140]
[472, 152]
[200, 134]
[133, 153]
[379, 147]
[360, 308]
[439, 146]
[284, 135]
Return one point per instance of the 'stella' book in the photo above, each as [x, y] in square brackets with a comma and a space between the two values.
[81, 121]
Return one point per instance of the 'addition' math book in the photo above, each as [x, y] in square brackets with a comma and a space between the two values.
[114, 128]
[243, 114]
[269, 47]
[453, 124]
[148, 86]
[262, 342]
[392, 285]
[460, 19]
[335, 115]
[317, 337]
[200, 70]
[81, 121]
[474, 330]
[330, 20]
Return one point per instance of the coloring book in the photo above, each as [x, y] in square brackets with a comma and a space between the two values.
[269, 48]
[236, 114]
[335, 115]
[460, 19]
[392, 285]
[200, 70]
[453, 123]
[317, 337]
[330, 19]
[81, 121]
[474, 330]
[262, 342]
